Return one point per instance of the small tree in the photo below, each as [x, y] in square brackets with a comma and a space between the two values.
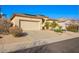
[47, 25]
[54, 24]
[4, 26]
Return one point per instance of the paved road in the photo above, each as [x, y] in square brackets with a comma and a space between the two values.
[66, 46]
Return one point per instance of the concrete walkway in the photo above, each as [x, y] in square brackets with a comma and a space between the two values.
[33, 38]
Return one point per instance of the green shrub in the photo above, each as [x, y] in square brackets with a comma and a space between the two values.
[53, 24]
[59, 30]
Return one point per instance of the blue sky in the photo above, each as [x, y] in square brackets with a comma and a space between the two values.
[52, 11]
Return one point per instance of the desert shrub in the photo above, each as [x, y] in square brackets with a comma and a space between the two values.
[7, 25]
[58, 29]
[17, 34]
[15, 31]
[72, 28]
[4, 26]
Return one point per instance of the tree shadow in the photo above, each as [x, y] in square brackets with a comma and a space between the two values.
[23, 34]
[1, 37]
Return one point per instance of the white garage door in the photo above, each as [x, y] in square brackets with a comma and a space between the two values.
[30, 25]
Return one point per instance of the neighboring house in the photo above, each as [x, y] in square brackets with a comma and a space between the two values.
[28, 22]
[64, 23]
[60, 23]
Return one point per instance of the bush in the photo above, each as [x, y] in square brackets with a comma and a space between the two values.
[17, 34]
[53, 24]
[6, 28]
[58, 29]
[72, 28]
[15, 31]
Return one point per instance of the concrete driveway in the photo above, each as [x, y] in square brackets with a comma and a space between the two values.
[33, 38]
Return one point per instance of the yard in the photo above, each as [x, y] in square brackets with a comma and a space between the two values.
[9, 43]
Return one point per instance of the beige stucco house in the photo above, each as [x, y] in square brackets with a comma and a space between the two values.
[28, 22]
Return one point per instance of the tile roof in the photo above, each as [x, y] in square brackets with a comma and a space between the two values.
[29, 15]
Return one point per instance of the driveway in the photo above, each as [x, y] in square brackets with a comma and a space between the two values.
[33, 38]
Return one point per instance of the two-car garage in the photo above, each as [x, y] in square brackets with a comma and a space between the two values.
[30, 25]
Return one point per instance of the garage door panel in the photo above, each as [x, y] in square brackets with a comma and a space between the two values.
[27, 25]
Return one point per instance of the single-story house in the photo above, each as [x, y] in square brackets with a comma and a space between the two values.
[28, 22]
